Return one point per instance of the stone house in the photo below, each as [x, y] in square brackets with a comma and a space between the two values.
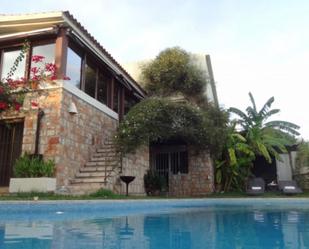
[74, 120]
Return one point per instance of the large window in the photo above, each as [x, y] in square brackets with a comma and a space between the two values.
[74, 63]
[47, 50]
[92, 76]
[7, 62]
[129, 101]
[102, 85]
[116, 97]
[90, 80]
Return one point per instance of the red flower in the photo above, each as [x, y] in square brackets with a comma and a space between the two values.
[17, 106]
[34, 104]
[50, 67]
[66, 78]
[37, 58]
[3, 105]
[36, 78]
[11, 83]
[1, 90]
[53, 77]
[34, 70]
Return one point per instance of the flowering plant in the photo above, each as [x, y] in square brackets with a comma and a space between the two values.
[12, 91]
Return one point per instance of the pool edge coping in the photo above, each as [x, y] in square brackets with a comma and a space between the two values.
[219, 200]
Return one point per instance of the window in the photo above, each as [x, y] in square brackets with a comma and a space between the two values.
[74, 63]
[103, 82]
[129, 101]
[116, 97]
[179, 162]
[8, 59]
[94, 77]
[47, 50]
[169, 158]
[90, 80]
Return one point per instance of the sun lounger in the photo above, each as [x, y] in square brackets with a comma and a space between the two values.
[289, 187]
[256, 186]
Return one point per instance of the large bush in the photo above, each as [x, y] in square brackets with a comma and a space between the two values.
[173, 71]
[157, 119]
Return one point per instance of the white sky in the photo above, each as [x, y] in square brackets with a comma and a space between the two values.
[255, 45]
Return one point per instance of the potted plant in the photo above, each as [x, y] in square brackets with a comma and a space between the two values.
[33, 174]
[154, 183]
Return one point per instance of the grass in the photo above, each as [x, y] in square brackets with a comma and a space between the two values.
[104, 194]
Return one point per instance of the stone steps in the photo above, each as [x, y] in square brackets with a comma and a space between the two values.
[105, 150]
[103, 154]
[103, 158]
[106, 147]
[98, 171]
[93, 174]
[102, 163]
[89, 180]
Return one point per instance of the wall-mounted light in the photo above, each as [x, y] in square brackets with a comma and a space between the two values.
[72, 108]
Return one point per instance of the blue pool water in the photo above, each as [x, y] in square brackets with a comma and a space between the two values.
[165, 224]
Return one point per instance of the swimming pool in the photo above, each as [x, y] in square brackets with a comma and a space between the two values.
[158, 224]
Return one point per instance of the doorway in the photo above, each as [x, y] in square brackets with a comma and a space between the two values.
[11, 137]
[169, 159]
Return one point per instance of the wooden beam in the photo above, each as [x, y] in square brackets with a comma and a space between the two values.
[61, 53]
[121, 102]
[110, 95]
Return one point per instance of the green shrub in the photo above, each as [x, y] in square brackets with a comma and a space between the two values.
[157, 119]
[302, 158]
[105, 193]
[173, 71]
[154, 183]
[33, 166]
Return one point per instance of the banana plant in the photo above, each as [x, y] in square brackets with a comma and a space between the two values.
[261, 134]
[234, 166]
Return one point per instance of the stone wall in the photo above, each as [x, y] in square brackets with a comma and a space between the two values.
[136, 164]
[80, 134]
[49, 101]
[70, 139]
[199, 181]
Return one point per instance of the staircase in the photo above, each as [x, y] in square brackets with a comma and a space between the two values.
[100, 171]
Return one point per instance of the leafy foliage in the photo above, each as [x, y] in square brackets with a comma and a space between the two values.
[105, 193]
[302, 158]
[12, 91]
[173, 71]
[157, 119]
[154, 183]
[33, 166]
[257, 137]
[233, 168]
[265, 138]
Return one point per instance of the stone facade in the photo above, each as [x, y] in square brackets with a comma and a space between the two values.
[71, 139]
[199, 180]
[80, 135]
[136, 164]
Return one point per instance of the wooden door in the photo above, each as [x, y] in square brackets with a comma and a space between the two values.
[11, 137]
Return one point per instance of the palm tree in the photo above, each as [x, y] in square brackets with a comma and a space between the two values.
[262, 135]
